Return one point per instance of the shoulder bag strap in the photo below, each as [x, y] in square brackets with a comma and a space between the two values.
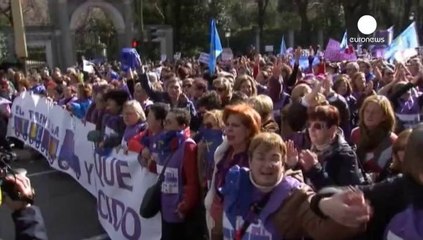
[161, 175]
[255, 209]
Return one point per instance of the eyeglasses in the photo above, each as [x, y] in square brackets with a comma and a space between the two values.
[221, 89]
[316, 126]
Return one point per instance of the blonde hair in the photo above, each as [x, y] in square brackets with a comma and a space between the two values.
[241, 80]
[300, 91]
[385, 105]
[134, 104]
[268, 140]
[225, 82]
[262, 104]
[216, 115]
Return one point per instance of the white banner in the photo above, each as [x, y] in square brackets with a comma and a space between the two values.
[118, 182]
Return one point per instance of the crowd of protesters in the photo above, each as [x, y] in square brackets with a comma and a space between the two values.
[261, 148]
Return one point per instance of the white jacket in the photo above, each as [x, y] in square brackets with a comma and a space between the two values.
[218, 155]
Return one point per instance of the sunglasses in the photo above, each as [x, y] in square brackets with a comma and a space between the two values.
[316, 126]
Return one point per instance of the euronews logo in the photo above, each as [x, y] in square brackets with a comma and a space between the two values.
[367, 25]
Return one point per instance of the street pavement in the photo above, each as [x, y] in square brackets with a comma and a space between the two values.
[69, 210]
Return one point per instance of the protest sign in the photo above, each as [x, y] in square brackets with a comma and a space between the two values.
[204, 58]
[117, 181]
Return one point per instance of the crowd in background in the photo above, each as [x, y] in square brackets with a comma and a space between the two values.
[248, 147]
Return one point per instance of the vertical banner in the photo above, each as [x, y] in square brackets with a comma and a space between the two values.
[117, 181]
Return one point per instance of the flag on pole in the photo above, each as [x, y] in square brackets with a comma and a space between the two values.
[344, 41]
[390, 34]
[406, 40]
[387, 34]
[215, 47]
[283, 47]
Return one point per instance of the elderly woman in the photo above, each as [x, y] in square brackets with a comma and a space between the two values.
[263, 202]
[396, 205]
[134, 119]
[242, 123]
[223, 87]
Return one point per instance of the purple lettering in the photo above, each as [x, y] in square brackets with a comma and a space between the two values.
[31, 114]
[111, 171]
[19, 110]
[117, 206]
[110, 180]
[120, 175]
[89, 169]
[136, 234]
[119, 216]
[100, 198]
[98, 160]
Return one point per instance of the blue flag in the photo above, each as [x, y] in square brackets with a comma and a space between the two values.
[130, 58]
[344, 41]
[406, 40]
[215, 47]
[283, 47]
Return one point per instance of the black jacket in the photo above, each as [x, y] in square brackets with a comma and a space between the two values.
[29, 224]
[338, 166]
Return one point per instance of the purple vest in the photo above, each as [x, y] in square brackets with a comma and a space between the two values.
[261, 227]
[407, 224]
[172, 185]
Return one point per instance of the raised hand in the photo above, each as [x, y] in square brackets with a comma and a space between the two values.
[308, 159]
[291, 154]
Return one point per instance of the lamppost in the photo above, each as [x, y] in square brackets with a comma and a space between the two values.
[227, 36]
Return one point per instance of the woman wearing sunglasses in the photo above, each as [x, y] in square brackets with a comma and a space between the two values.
[330, 160]
[396, 204]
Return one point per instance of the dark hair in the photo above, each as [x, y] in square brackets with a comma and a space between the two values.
[159, 110]
[119, 96]
[200, 84]
[327, 113]
[238, 97]
[182, 116]
[210, 101]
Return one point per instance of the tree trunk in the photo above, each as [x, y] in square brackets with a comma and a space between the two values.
[260, 22]
[176, 24]
[305, 23]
